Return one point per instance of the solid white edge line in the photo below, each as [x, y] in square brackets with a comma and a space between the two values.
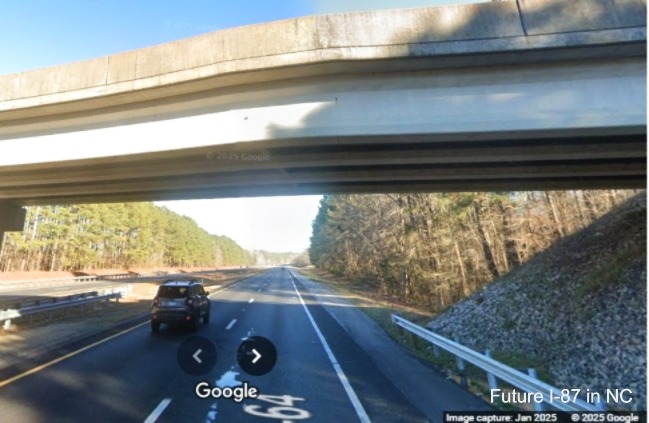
[231, 324]
[158, 411]
[356, 403]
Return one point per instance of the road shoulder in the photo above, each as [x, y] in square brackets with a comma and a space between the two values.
[426, 388]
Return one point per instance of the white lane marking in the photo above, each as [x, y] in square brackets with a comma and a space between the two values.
[251, 300]
[221, 289]
[360, 411]
[259, 290]
[87, 347]
[231, 324]
[228, 379]
[158, 411]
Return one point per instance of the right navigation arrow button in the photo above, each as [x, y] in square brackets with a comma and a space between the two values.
[257, 356]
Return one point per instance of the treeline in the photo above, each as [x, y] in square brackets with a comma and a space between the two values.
[301, 260]
[435, 249]
[270, 258]
[94, 236]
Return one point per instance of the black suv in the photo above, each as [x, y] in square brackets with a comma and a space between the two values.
[180, 302]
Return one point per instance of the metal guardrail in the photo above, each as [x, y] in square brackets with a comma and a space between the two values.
[32, 283]
[26, 302]
[119, 276]
[7, 315]
[496, 369]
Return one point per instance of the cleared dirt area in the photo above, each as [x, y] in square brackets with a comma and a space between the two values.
[37, 274]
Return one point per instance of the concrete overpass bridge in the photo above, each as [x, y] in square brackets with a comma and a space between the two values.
[513, 95]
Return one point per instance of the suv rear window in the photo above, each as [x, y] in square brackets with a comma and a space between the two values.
[172, 291]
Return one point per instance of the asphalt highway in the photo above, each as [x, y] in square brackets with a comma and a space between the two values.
[321, 374]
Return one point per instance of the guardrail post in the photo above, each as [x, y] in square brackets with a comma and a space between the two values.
[501, 371]
[532, 373]
[415, 340]
[461, 367]
[491, 379]
[436, 351]
[400, 330]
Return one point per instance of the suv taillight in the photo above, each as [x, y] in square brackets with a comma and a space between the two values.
[156, 301]
[189, 301]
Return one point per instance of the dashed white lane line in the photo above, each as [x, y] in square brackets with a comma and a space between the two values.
[231, 324]
[158, 411]
[356, 403]
[251, 300]
[87, 347]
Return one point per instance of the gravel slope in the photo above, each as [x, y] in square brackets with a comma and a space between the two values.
[580, 307]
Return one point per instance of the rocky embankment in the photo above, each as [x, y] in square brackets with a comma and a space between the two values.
[579, 307]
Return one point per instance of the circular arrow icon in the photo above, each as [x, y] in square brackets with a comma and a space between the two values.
[197, 355]
[256, 355]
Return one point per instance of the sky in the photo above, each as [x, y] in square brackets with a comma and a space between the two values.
[281, 224]
[36, 34]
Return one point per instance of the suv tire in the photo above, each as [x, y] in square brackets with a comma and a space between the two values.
[155, 326]
[206, 318]
[194, 323]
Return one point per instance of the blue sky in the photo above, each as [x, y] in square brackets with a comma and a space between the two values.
[35, 34]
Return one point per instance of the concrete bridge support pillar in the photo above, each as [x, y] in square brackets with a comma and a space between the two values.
[12, 218]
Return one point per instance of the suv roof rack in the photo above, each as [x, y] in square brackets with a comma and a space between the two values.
[181, 281]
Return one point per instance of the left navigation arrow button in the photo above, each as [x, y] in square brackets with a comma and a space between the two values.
[197, 355]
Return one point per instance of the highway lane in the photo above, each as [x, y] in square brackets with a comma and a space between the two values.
[135, 374]
[302, 370]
